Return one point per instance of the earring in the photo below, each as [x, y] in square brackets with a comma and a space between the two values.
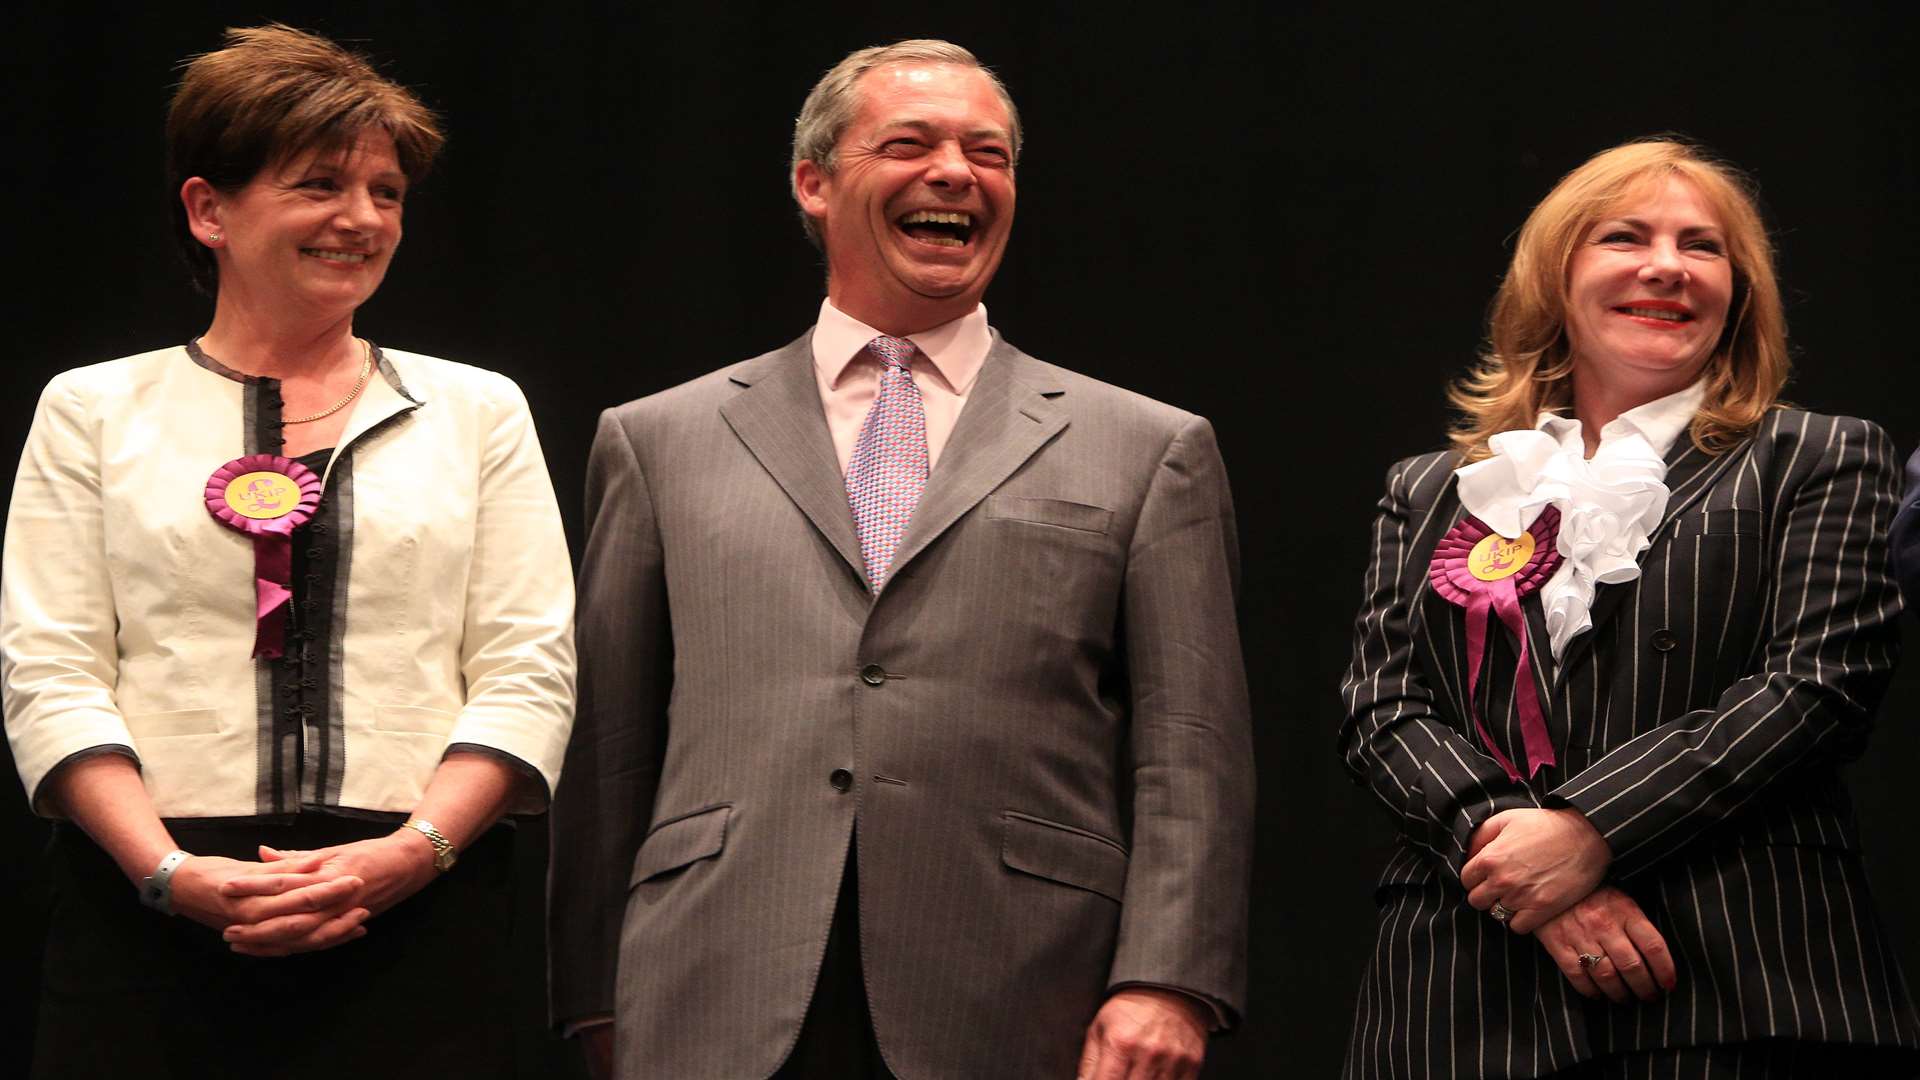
[213, 238]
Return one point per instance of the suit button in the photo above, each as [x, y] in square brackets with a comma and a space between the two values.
[1664, 640]
[841, 779]
[873, 674]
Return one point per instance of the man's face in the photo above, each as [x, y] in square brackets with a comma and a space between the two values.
[917, 211]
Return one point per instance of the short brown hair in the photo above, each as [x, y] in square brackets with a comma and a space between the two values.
[1527, 366]
[270, 94]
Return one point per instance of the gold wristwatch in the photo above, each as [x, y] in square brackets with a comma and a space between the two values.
[443, 853]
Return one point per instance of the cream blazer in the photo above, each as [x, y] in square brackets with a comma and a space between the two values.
[127, 611]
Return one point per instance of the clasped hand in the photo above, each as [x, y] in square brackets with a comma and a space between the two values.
[300, 901]
[1545, 866]
[1627, 955]
[1534, 863]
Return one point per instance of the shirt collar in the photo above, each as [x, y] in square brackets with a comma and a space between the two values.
[1660, 421]
[957, 348]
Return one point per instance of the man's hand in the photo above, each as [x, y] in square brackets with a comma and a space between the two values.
[1145, 1034]
[1609, 924]
[1534, 863]
[298, 905]
[391, 869]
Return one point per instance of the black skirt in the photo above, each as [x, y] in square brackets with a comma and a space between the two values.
[130, 992]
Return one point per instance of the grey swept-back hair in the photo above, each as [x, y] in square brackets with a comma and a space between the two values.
[834, 100]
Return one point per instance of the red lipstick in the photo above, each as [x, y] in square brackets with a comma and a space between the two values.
[1653, 321]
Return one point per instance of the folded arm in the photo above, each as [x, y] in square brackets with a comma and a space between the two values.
[1436, 783]
[1827, 653]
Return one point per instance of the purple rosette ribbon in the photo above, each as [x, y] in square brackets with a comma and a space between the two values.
[1488, 574]
[266, 497]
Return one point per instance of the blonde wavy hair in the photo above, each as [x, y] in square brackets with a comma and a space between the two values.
[1527, 365]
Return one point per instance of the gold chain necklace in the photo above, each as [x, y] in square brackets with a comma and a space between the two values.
[366, 369]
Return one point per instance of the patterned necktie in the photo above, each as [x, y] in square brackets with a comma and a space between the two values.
[888, 470]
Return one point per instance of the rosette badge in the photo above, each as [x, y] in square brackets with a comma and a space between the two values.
[266, 497]
[1488, 574]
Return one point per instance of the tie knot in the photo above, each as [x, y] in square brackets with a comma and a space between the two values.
[892, 351]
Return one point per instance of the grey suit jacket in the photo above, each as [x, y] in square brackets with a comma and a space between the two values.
[1040, 727]
[1699, 725]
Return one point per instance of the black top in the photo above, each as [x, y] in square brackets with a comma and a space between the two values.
[300, 683]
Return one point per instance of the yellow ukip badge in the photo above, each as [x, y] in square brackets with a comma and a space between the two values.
[1496, 557]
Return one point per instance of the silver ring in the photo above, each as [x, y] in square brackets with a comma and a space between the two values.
[1500, 912]
[1588, 960]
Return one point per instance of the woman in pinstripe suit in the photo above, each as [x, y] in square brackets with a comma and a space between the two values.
[1624, 845]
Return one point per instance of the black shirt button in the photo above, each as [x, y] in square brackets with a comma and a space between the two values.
[873, 674]
[1664, 640]
[841, 779]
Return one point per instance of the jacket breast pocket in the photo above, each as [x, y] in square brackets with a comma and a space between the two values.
[178, 722]
[681, 842]
[1718, 523]
[1064, 854]
[1058, 513]
[1055, 565]
[1716, 579]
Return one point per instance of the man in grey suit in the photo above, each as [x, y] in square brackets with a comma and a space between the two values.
[913, 734]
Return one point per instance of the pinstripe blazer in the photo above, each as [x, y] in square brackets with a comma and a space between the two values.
[1040, 727]
[1699, 725]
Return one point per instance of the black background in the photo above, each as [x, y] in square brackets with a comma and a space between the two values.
[1289, 219]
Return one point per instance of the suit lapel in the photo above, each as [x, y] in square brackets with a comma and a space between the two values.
[1544, 674]
[1690, 473]
[1009, 415]
[777, 414]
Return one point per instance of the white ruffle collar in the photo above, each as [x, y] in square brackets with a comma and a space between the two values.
[1609, 504]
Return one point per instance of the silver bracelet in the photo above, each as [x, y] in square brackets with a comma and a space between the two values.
[156, 889]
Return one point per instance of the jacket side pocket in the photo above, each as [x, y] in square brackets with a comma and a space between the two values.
[680, 842]
[1064, 854]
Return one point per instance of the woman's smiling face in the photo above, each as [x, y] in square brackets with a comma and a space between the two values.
[1648, 289]
[317, 231]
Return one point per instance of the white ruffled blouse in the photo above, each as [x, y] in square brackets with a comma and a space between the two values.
[1609, 504]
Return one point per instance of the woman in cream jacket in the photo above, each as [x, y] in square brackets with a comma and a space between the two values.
[281, 740]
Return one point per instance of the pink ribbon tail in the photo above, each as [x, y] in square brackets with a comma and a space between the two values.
[1533, 720]
[272, 583]
[1454, 581]
[1480, 611]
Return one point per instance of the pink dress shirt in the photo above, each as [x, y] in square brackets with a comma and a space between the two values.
[849, 376]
